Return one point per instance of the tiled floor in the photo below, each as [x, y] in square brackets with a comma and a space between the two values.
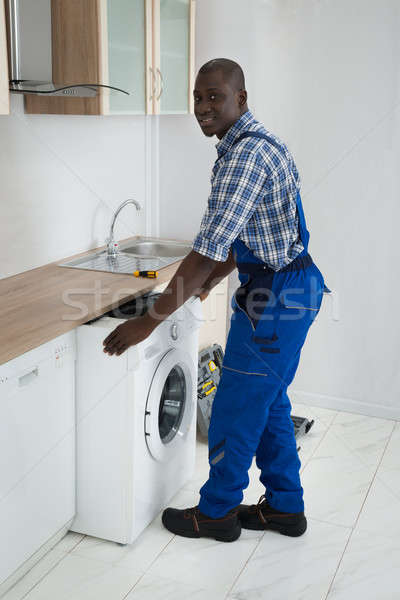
[350, 551]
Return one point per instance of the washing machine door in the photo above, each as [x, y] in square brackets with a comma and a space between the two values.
[170, 405]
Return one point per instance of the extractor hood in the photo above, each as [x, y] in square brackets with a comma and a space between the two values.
[18, 83]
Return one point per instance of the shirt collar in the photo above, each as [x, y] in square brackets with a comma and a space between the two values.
[234, 132]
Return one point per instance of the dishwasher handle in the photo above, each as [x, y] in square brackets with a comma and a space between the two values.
[28, 377]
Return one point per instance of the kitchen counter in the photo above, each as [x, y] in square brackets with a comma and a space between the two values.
[38, 305]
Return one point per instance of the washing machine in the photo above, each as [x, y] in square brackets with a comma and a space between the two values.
[136, 424]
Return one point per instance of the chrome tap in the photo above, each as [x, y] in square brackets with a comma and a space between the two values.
[112, 245]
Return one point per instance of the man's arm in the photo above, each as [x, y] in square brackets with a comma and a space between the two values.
[221, 270]
[189, 279]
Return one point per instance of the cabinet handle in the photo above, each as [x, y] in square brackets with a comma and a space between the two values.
[161, 84]
[153, 82]
[28, 377]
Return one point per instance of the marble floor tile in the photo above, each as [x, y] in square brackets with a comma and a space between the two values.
[184, 499]
[36, 574]
[142, 552]
[255, 488]
[324, 415]
[366, 437]
[292, 568]
[337, 477]
[69, 542]
[381, 510]
[369, 569]
[201, 445]
[153, 587]
[310, 441]
[201, 473]
[80, 578]
[389, 469]
[205, 563]
[139, 555]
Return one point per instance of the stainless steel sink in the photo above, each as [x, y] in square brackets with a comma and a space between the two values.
[156, 248]
[144, 254]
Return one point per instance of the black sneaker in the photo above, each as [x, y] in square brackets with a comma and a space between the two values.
[190, 522]
[263, 516]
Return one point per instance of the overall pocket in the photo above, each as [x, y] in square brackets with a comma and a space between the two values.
[297, 311]
[253, 297]
[294, 304]
[299, 303]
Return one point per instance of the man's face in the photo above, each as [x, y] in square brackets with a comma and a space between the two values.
[216, 105]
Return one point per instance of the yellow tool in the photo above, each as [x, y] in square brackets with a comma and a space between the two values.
[212, 365]
[148, 274]
[210, 390]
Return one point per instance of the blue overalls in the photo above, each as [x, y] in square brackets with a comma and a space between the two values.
[272, 312]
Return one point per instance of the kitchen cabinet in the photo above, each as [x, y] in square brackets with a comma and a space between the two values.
[37, 453]
[214, 327]
[145, 47]
[4, 93]
[173, 59]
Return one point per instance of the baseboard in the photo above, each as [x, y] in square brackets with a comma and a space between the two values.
[31, 562]
[345, 405]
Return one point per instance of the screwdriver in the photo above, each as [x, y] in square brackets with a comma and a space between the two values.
[148, 274]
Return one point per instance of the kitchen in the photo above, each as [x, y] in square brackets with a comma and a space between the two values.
[323, 76]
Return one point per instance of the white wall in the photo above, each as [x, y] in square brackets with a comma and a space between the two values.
[324, 75]
[61, 179]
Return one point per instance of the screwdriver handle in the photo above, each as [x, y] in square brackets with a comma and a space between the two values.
[148, 274]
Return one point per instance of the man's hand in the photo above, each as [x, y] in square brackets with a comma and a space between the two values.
[127, 334]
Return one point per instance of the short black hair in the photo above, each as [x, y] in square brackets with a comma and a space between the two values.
[232, 72]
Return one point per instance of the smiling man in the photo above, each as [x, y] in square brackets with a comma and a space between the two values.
[254, 222]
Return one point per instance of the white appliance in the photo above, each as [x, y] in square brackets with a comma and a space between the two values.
[136, 424]
[37, 453]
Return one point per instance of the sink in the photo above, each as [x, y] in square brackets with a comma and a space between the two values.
[156, 248]
[144, 254]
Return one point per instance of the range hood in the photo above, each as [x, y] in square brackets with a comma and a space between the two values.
[74, 90]
[21, 85]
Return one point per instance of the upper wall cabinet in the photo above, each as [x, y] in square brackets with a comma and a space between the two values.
[173, 55]
[145, 47]
[4, 94]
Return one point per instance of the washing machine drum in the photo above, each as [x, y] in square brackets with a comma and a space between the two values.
[170, 405]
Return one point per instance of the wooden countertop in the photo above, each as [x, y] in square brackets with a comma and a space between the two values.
[38, 305]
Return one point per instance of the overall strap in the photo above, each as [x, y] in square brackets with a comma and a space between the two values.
[258, 134]
[303, 232]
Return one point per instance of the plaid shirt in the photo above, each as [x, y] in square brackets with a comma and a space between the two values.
[253, 197]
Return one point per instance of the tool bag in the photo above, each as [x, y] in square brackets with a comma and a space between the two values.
[209, 373]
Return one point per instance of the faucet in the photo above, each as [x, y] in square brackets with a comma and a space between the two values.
[112, 245]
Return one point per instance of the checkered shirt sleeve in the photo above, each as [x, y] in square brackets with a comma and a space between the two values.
[237, 186]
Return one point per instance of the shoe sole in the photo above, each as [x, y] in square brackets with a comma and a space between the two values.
[291, 530]
[219, 536]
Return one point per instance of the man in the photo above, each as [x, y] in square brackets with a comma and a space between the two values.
[255, 222]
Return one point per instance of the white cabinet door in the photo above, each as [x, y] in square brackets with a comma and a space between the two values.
[149, 53]
[4, 93]
[173, 46]
[213, 329]
[37, 449]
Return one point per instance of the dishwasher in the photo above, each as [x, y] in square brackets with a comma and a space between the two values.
[37, 454]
